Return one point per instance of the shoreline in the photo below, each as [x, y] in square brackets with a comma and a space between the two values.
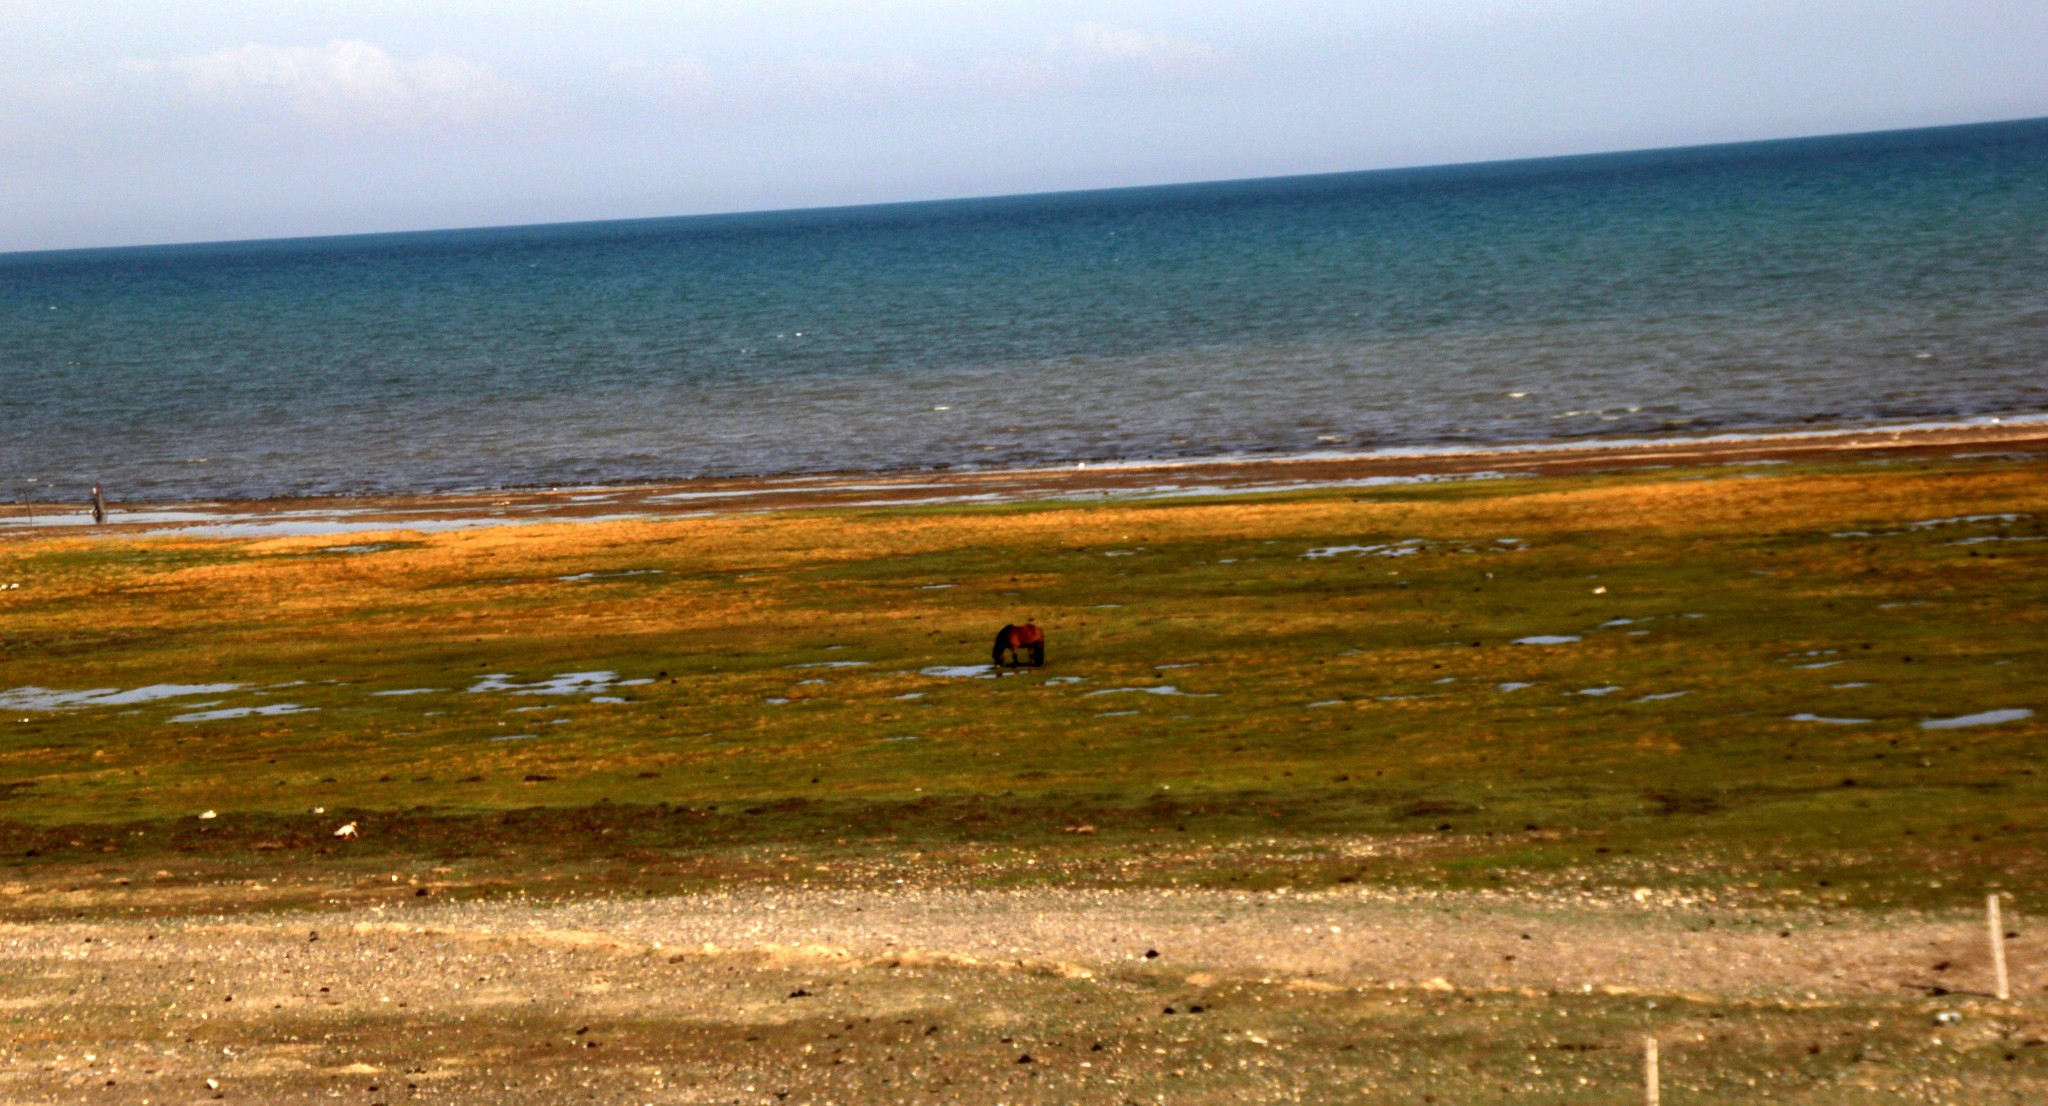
[313, 516]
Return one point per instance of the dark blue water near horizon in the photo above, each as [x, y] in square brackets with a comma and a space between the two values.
[1812, 282]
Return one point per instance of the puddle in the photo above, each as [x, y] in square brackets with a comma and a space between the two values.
[1512, 685]
[613, 575]
[1987, 718]
[1830, 721]
[1613, 622]
[1185, 664]
[1547, 639]
[606, 699]
[43, 698]
[1446, 680]
[1390, 549]
[407, 691]
[1929, 524]
[242, 712]
[568, 683]
[1115, 713]
[1598, 691]
[1847, 686]
[810, 683]
[776, 702]
[960, 671]
[904, 737]
[1662, 695]
[1327, 703]
[1998, 537]
[1163, 689]
[516, 737]
[1058, 680]
[830, 664]
[935, 587]
[1120, 553]
[1820, 664]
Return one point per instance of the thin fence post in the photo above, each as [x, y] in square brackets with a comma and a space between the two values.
[1997, 924]
[1652, 1091]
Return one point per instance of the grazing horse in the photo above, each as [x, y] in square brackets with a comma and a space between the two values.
[1018, 641]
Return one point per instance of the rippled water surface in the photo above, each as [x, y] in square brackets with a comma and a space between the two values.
[1824, 281]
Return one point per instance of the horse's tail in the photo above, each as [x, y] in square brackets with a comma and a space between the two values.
[1002, 643]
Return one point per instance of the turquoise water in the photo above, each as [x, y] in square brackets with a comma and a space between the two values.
[1836, 281]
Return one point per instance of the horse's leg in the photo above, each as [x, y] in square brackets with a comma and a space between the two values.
[1038, 654]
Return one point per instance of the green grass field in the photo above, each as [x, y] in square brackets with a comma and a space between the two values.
[1213, 680]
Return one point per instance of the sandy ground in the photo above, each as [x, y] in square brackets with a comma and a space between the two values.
[281, 517]
[923, 995]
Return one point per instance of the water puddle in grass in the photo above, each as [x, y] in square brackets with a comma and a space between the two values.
[1987, 718]
[1162, 689]
[1959, 520]
[582, 576]
[904, 737]
[407, 691]
[1058, 680]
[776, 702]
[1662, 695]
[1115, 713]
[1547, 639]
[1390, 549]
[1829, 721]
[830, 664]
[960, 671]
[1820, 664]
[911, 695]
[1512, 685]
[1850, 684]
[567, 683]
[515, 737]
[1598, 691]
[1994, 537]
[935, 587]
[606, 699]
[1327, 703]
[242, 712]
[43, 698]
[1183, 664]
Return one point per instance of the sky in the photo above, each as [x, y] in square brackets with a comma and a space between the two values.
[150, 121]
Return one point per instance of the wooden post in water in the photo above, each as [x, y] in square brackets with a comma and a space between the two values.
[1652, 1090]
[2003, 987]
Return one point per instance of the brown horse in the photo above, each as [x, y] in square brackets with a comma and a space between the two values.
[1018, 641]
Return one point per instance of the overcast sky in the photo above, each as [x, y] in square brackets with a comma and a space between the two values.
[184, 120]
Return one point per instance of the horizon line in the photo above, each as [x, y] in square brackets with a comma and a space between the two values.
[1424, 167]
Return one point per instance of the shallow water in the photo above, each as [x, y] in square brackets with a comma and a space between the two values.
[1986, 718]
[49, 699]
[227, 713]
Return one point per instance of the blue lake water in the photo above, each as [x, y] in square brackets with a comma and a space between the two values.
[1815, 282]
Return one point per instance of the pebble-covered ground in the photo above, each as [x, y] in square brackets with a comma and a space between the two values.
[919, 995]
